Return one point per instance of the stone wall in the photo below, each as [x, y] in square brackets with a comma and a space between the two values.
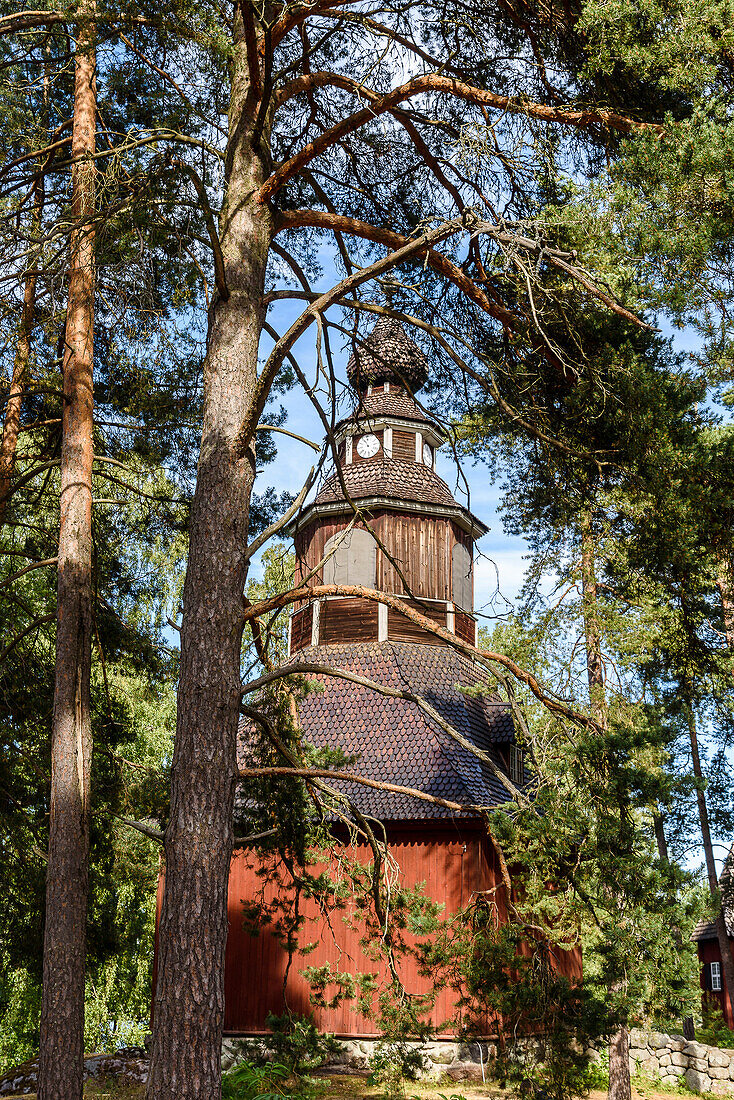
[670, 1057]
[704, 1069]
[458, 1061]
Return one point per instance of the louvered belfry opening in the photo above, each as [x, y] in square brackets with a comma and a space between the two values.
[414, 543]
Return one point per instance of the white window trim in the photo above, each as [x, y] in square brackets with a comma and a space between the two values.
[348, 451]
[419, 447]
[715, 977]
[387, 442]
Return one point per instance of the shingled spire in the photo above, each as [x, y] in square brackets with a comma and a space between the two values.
[387, 355]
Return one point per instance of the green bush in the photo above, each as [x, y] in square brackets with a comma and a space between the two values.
[248, 1082]
[714, 1031]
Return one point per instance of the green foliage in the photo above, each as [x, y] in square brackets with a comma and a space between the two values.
[252, 1082]
[297, 1043]
[393, 1062]
[714, 1030]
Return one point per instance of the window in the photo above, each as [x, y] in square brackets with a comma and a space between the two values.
[354, 560]
[716, 977]
[461, 577]
[517, 769]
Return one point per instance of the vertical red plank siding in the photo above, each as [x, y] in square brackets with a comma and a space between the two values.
[452, 867]
[708, 952]
[452, 864]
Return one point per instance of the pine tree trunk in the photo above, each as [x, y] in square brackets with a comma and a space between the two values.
[727, 961]
[620, 1084]
[61, 1070]
[19, 381]
[725, 585]
[189, 1004]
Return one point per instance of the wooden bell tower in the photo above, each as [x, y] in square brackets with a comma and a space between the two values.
[411, 539]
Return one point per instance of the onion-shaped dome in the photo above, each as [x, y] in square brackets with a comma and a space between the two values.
[388, 355]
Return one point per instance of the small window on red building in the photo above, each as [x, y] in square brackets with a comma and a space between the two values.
[716, 977]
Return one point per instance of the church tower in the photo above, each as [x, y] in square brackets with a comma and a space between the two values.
[424, 785]
[406, 708]
[412, 539]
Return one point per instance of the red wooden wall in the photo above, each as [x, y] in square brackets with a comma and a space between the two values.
[708, 952]
[453, 865]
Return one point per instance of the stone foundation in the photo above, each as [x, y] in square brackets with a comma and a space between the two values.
[668, 1058]
[671, 1057]
[458, 1061]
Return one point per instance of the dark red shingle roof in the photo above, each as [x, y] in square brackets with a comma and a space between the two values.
[393, 739]
[388, 478]
[387, 355]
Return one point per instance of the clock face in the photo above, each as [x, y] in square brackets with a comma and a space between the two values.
[367, 446]
[427, 455]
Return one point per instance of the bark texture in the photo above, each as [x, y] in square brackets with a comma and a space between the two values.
[189, 1001]
[725, 585]
[620, 1084]
[19, 381]
[61, 1070]
[619, 1066]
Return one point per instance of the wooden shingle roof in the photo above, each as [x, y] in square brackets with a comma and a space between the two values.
[387, 355]
[388, 478]
[395, 741]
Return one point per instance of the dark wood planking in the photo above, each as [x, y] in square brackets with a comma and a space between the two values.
[400, 629]
[464, 627]
[421, 547]
[349, 620]
[301, 625]
[439, 859]
[403, 445]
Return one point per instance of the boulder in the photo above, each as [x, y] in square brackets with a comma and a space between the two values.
[697, 1082]
[657, 1040]
[650, 1069]
[464, 1071]
[677, 1058]
[717, 1073]
[443, 1054]
[719, 1058]
[696, 1050]
[664, 1060]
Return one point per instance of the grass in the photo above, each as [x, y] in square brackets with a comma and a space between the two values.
[357, 1088]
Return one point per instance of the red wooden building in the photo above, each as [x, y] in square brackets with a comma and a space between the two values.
[713, 982]
[423, 553]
